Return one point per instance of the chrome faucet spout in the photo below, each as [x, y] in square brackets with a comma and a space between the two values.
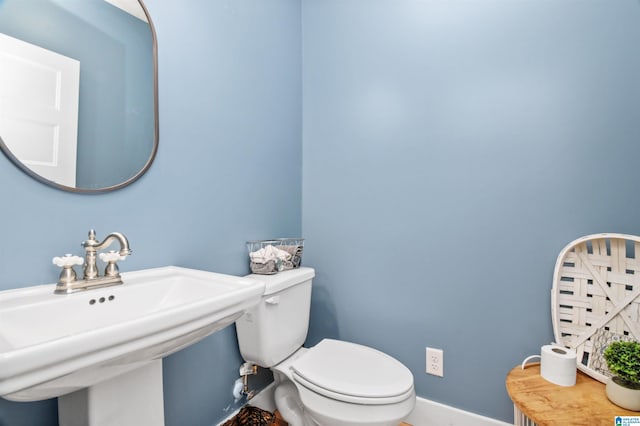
[124, 243]
[91, 247]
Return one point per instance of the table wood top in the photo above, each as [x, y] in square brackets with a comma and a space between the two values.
[548, 404]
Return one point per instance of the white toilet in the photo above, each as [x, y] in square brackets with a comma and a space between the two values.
[334, 383]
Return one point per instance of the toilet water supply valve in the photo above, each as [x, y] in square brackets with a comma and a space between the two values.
[241, 385]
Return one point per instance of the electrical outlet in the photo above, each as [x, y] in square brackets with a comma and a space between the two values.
[435, 362]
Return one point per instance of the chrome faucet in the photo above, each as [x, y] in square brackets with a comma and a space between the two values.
[68, 282]
[91, 247]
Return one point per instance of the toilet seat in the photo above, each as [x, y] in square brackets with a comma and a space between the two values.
[353, 373]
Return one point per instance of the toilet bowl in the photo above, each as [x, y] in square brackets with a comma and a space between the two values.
[333, 383]
[342, 384]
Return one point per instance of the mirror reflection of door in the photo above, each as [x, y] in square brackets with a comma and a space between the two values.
[39, 92]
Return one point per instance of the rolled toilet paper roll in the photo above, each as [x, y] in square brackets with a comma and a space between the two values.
[557, 364]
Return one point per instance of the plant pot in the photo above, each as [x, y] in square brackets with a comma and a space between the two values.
[622, 396]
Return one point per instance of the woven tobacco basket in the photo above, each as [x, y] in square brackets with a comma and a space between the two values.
[252, 416]
[595, 298]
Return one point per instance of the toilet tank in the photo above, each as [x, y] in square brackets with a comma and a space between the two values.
[278, 325]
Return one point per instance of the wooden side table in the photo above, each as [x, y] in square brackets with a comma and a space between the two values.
[548, 404]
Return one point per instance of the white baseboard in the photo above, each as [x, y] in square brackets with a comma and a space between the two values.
[426, 413]
[229, 417]
[430, 413]
[265, 399]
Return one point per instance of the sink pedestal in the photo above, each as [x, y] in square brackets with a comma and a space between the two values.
[132, 399]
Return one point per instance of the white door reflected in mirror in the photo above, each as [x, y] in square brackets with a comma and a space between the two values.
[39, 92]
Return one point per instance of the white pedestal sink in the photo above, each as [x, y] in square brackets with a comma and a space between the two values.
[134, 398]
[102, 348]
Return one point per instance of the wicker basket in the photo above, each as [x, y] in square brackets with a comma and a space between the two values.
[293, 246]
[596, 297]
[252, 416]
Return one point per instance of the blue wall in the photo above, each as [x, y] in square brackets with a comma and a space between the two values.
[228, 170]
[451, 149]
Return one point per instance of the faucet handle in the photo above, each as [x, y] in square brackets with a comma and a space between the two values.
[111, 256]
[67, 275]
[67, 261]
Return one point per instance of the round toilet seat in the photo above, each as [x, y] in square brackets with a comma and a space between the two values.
[353, 373]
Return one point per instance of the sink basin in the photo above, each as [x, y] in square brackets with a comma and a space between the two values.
[51, 345]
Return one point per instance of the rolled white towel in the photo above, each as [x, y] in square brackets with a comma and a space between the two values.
[268, 253]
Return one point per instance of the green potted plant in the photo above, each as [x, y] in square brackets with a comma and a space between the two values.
[623, 360]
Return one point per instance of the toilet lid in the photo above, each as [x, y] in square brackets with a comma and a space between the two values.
[352, 372]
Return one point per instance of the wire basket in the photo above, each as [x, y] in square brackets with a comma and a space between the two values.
[269, 257]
